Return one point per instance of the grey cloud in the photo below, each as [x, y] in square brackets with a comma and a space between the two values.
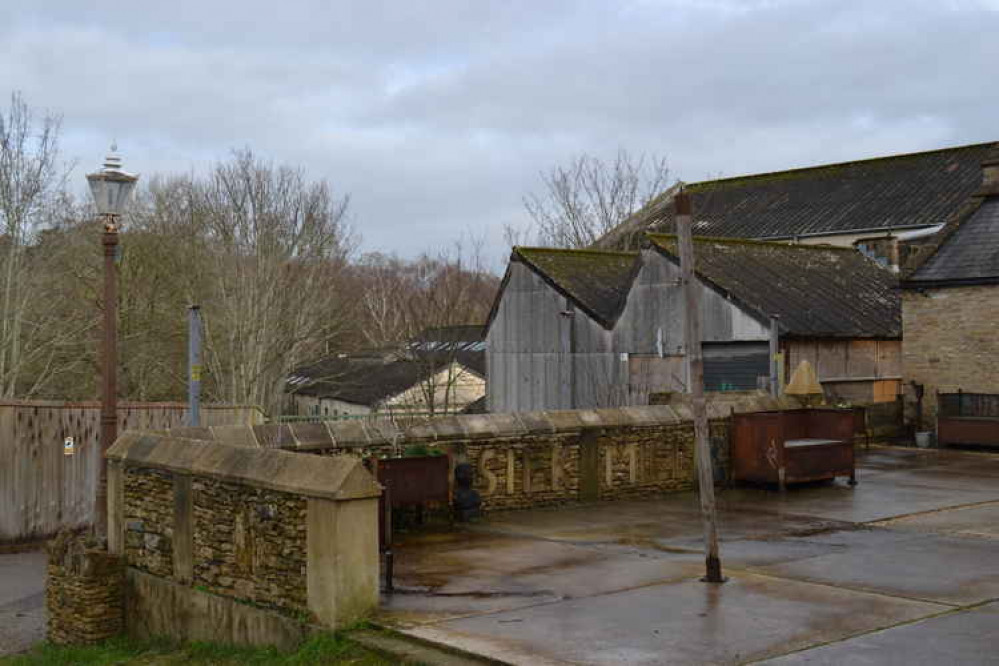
[437, 117]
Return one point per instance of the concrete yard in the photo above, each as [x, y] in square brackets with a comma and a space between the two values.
[903, 569]
[22, 600]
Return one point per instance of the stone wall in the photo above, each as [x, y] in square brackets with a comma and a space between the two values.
[148, 518]
[250, 544]
[950, 343]
[217, 529]
[529, 459]
[84, 592]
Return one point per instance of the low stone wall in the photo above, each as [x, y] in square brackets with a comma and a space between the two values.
[535, 458]
[219, 532]
[84, 592]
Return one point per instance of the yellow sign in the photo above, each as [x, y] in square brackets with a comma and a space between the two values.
[195, 373]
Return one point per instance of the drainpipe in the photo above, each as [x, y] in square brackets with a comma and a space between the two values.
[775, 378]
[194, 366]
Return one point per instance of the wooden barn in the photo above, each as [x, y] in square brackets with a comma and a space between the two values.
[573, 329]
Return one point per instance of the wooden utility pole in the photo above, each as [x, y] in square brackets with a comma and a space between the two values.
[695, 362]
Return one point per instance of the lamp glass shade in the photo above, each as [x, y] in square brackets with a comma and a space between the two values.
[111, 190]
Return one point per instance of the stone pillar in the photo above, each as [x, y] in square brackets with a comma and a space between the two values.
[84, 592]
[342, 565]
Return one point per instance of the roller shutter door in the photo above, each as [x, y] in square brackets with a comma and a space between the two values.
[735, 366]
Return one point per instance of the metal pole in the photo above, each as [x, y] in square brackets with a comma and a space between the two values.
[109, 369]
[692, 345]
[194, 365]
[775, 378]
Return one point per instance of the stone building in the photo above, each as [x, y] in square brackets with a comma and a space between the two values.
[950, 304]
[574, 329]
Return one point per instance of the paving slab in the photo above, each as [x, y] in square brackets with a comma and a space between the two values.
[463, 573]
[963, 637]
[888, 496]
[941, 569]
[977, 520]
[687, 622]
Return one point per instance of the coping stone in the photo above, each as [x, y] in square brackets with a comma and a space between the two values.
[348, 433]
[448, 427]
[421, 432]
[235, 436]
[485, 426]
[311, 434]
[536, 422]
[327, 477]
[274, 436]
[202, 433]
[614, 416]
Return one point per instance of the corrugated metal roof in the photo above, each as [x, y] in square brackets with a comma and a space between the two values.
[815, 290]
[367, 381]
[900, 191]
[596, 280]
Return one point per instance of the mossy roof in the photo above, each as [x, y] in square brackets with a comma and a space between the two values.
[898, 191]
[597, 281]
[815, 290]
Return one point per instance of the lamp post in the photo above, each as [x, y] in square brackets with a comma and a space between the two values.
[111, 188]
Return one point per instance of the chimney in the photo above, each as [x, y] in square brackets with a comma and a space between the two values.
[990, 178]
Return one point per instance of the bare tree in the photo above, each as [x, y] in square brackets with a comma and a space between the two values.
[580, 202]
[275, 246]
[32, 329]
[454, 292]
[423, 308]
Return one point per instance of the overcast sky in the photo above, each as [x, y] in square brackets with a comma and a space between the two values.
[438, 116]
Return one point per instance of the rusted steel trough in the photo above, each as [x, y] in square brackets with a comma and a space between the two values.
[794, 446]
[409, 482]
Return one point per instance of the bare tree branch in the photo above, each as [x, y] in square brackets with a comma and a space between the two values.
[580, 202]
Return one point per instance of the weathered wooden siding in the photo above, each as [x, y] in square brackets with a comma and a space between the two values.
[539, 356]
[43, 490]
[854, 370]
[539, 359]
[654, 312]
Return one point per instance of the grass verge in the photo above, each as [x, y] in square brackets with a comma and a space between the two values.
[320, 650]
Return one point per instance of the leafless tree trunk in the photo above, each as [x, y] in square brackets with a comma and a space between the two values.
[31, 178]
[580, 202]
[276, 246]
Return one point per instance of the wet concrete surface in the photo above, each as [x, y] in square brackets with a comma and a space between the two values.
[22, 601]
[684, 622]
[617, 582]
[962, 637]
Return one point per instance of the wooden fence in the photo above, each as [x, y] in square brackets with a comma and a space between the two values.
[42, 489]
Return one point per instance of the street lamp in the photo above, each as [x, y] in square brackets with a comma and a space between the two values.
[111, 188]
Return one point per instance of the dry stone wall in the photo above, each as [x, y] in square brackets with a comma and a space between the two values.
[529, 459]
[250, 544]
[236, 536]
[148, 517]
[84, 592]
